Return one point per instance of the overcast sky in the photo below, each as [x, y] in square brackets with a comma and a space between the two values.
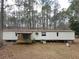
[63, 4]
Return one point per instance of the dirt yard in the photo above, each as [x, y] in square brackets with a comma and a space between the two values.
[40, 51]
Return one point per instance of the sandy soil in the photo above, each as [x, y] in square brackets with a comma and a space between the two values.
[40, 51]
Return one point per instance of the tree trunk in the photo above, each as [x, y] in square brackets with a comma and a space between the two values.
[54, 25]
[2, 18]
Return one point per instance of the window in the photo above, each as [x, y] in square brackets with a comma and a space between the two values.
[43, 33]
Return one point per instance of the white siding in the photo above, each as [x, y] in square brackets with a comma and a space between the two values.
[66, 35]
[53, 36]
[49, 36]
[9, 36]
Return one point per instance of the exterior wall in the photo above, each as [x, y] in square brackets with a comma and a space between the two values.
[66, 36]
[9, 36]
[53, 36]
[49, 36]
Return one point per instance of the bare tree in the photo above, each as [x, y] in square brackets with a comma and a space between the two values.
[56, 7]
[46, 11]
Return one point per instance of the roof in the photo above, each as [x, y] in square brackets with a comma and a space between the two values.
[35, 30]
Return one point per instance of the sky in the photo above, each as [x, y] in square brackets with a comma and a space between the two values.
[63, 4]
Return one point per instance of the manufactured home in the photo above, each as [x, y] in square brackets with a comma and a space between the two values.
[31, 35]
